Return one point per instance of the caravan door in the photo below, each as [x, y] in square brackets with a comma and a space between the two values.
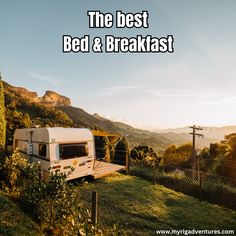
[76, 156]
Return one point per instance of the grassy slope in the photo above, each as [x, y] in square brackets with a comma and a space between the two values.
[14, 222]
[139, 208]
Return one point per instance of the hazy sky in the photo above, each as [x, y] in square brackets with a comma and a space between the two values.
[195, 84]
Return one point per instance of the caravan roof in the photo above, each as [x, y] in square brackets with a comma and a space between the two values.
[58, 134]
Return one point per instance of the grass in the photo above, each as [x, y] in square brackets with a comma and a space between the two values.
[130, 206]
[13, 221]
[213, 189]
[137, 207]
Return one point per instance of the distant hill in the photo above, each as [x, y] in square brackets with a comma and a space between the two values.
[27, 109]
[211, 134]
[135, 136]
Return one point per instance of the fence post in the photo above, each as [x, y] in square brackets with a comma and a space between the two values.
[200, 179]
[200, 185]
[94, 207]
[154, 169]
[198, 170]
[127, 160]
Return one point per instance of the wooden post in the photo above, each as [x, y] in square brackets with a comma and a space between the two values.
[127, 157]
[154, 169]
[200, 185]
[198, 169]
[194, 128]
[94, 207]
[127, 162]
[200, 179]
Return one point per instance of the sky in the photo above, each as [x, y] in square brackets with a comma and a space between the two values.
[194, 85]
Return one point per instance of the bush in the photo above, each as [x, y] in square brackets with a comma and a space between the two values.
[17, 174]
[56, 203]
[57, 206]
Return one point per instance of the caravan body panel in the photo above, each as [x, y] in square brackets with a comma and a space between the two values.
[60, 149]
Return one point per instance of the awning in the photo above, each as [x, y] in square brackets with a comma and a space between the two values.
[104, 134]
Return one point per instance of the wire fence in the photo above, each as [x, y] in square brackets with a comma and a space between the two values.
[115, 219]
[109, 213]
[215, 189]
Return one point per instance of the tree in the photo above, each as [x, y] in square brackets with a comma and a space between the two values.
[2, 118]
[177, 155]
[143, 154]
[219, 158]
[16, 120]
[169, 156]
[134, 154]
[231, 141]
[184, 152]
[214, 150]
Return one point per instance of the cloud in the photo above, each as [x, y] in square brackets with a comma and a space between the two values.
[44, 76]
[161, 93]
[110, 91]
[227, 100]
[116, 90]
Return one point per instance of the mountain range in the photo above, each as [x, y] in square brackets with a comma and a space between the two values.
[215, 134]
[30, 103]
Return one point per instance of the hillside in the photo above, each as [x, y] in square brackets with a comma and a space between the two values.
[128, 205]
[26, 109]
[138, 207]
[211, 134]
[135, 136]
[14, 222]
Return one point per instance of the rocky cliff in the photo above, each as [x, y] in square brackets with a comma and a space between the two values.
[55, 99]
[24, 93]
[50, 97]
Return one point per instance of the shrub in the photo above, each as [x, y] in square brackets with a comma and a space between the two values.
[17, 174]
[56, 203]
[58, 207]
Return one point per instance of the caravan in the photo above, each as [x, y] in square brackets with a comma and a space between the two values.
[62, 149]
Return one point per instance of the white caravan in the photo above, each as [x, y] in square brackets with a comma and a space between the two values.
[58, 149]
[63, 149]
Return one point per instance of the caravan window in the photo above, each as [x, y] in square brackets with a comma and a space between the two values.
[68, 151]
[42, 150]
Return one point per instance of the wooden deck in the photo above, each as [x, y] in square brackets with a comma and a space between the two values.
[103, 168]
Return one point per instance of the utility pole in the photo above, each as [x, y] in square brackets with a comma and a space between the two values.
[194, 128]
